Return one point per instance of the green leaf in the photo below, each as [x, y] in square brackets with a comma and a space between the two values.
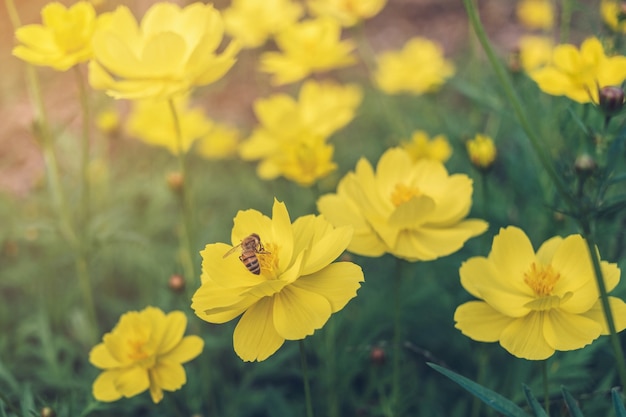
[618, 404]
[534, 404]
[572, 405]
[491, 398]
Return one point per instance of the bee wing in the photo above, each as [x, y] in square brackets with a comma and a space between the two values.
[232, 250]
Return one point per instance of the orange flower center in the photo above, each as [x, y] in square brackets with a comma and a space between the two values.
[136, 351]
[268, 259]
[541, 279]
[403, 193]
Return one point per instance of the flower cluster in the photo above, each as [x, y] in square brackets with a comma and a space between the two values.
[422, 147]
[295, 290]
[536, 303]
[413, 210]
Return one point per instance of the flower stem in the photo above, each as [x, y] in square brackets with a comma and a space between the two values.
[305, 380]
[604, 299]
[85, 194]
[188, 240]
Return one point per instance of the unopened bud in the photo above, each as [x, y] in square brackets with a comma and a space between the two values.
[47, 412]
[378, 356]
[176, 283]
[175, 181]
[585, 164]
[611, 99]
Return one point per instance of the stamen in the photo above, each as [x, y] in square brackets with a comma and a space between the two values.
[541, 279]
[403, 193]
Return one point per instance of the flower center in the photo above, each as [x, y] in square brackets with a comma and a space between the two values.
[541, 279]
[136, 350]
[268, 259]
[403, 193]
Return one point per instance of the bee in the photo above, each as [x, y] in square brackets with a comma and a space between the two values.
[250, 246]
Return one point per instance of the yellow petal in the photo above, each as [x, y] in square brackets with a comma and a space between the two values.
[546, 251]
[188, 348]
[282, 233]
[104, 388]
[163, 55]
[412, 213]
[512, 255]
[326, 249]
[169, 376]
[338, 283]
[481, 322]
[101, 357]
[565, 331]
[132, 381]
[524, 338]
[255, 338]
[618, 310]
[174, 326]
[298, 312]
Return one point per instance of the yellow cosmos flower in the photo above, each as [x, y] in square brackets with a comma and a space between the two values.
[536, 14]
[481, 150]
[610, 11]
[145, 350]
[536, 303]
[418, 68]
[422, 147]
[347, 12]
[535, 52]
[252, 22]
[62, 41]
[108, 120]
[577, 74]
[220, 143]
[152, 122]
[296, 290]
[171, 51]
[413, 210]
[307, 47]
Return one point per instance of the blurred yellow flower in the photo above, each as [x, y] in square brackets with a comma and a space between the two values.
[221, 142]
[610, 11]
[252, 22]
[171, 51]
[535, 52]
[347, 12]
[145, 350]
[108, 120]
[418, 68]
[413, 210]
[481, 150]
[307, 47]
[536, 303]
[422, 147]
[295, 292]
[152, 122]
[536, 14]
[577, 74]
[62, 40]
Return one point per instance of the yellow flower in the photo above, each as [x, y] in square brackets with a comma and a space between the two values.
[305, 48]
[417, 69]
[577, 74]
[253, 21]
[535, 52]
[62, 41]
[295, 292]
[413, 210]
[108, 120]
[347, 12]
[221, 142]
[536, 303]
[145, 350]
[151, 121]
[422, 147]
[171, 51]
[610, 12]
[536, 14]
[481, 150]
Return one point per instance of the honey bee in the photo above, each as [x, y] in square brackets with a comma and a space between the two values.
[250, 246]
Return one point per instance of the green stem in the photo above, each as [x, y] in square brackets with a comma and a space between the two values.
[85, 195]
[566, 19]
[305, 380]
[397, 335]
[604, 299]
[516, 103]
[546, 387]
[188, 240]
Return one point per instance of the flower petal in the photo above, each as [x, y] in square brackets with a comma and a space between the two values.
[104, 388]
[298, 313]
[481, 322]
[524, 338]
[338, 283]
[188, 348]
[618, 310]
[169, 376]
[565, 331]
[100, 357]
[174, 327]
[132, 381]
[255, 337]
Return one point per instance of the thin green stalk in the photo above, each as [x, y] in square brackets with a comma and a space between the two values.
[188, 240]
[305, 380]
[546, 386]
[604, 299]
[85, 193]
[566, 20]
[515, 102]
[9, 405]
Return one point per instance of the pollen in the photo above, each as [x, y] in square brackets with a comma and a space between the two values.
[403, 193]
[541, 279]
[268, 259]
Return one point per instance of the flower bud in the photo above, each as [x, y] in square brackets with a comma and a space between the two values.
[585, 164]
[176, 283]
[47, 412]
[378, 356]
[611, 99]
[482, 151]
[175, 182]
